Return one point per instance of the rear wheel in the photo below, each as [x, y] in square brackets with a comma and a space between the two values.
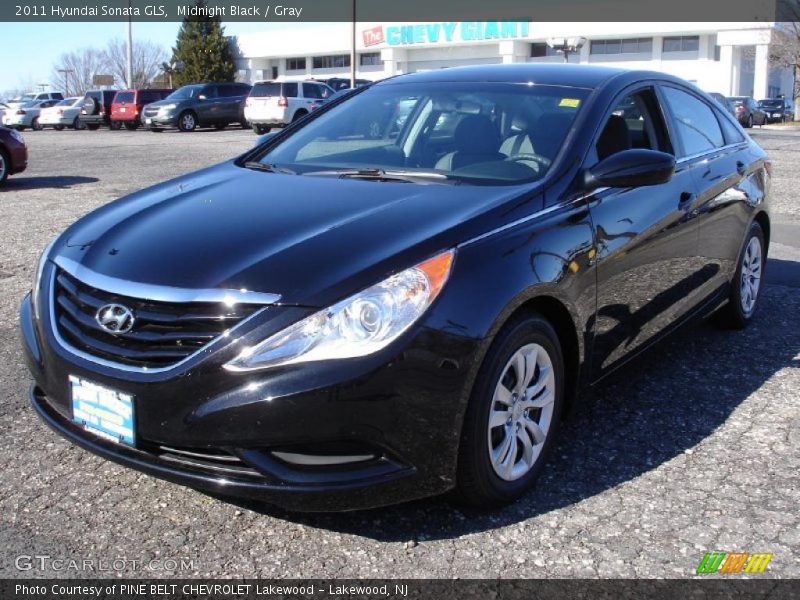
[5, 166]
[299, 115]
[187, 121]
[35, 125]
[78, 124]
[749, 123]
[746, 284]
[513, 415]
[260, 129]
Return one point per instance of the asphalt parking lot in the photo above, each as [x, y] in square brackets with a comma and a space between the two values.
[694, 449]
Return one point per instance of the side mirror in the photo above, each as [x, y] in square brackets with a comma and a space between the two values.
[265, 137]
[631, 168]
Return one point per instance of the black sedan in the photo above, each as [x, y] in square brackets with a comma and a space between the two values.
[348, 316]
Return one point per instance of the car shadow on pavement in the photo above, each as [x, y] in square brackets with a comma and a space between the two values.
[653, 410]
[56, 181]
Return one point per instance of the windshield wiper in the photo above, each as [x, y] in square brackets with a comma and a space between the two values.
[388, 175]
[267, 167]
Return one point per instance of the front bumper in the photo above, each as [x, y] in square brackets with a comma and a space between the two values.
[160, 120]
[404, 411]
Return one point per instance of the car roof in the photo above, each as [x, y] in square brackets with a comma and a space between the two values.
[585, 76]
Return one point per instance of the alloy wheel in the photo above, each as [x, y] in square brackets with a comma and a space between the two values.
[751, 275]
[187, 122]
[521, 412]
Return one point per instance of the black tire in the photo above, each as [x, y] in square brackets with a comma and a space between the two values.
[478, 484]
[733, 314]
[5, 166]
[749, 123]
[187, 121]
[260, 129]
[244, 124]
[92, 126]
[131, 125]
[77, 124]
[115, 125]
[299, 115]
[35, 125]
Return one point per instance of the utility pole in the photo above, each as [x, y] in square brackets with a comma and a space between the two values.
[65, 73]
[130, 47]
[353, 56]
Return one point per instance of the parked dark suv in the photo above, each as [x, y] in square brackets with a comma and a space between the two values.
[747, 111]
[96, 109]
[199, 104]
[778, 110]
[128, 104]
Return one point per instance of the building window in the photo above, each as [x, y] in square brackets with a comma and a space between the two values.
[622, 46]
[540, 49]
[370, 59]
[333, 61]
[682, 43]
[296, 64]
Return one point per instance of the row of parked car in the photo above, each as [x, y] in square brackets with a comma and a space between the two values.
[749, 112]
[264, 105]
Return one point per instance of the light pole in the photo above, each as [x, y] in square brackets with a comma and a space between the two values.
[65, 73]
[353, 49]
[130, 46]
[567, 46]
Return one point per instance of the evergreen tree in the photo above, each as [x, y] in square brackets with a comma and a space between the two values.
[203, 50]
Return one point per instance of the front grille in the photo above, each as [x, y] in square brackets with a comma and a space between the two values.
[163, 333]
[150, 112]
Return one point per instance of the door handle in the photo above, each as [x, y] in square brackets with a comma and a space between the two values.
[686, 197]
[740, 167]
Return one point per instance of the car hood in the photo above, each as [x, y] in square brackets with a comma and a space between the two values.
[158, 103]
[310, 239]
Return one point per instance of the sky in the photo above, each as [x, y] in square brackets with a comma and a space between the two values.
[28, 50]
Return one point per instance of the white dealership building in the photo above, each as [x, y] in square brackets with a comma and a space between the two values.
[729, 58]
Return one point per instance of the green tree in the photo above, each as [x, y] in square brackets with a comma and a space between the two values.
[202, 50]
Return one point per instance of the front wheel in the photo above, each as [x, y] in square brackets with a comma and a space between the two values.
[187, 122]
[35, 125]
[513, 415]
[746, 284]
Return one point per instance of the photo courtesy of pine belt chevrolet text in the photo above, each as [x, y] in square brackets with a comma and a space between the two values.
[403, 292]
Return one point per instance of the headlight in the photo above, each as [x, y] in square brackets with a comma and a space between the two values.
[167, 106]
[360, 325]
[37, 277]
[17, 136]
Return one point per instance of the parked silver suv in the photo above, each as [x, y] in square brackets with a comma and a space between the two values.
[277, 103]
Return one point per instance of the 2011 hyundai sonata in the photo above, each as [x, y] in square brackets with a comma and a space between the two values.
[403, 293]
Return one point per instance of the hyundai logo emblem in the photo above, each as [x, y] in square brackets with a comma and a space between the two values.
[115, 318]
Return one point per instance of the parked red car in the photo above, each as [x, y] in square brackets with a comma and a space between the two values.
[13, 153]
[126, 108]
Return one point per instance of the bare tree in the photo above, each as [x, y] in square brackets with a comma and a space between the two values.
[81, 66]
[147, 58]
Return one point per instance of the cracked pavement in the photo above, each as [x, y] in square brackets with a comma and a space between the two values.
[692, 448]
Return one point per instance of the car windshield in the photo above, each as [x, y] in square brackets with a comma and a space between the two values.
[123, 97]
[771, 103]
[186, 92]
[480, 133]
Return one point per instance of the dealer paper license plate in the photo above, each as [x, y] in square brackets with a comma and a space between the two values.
[101, 411]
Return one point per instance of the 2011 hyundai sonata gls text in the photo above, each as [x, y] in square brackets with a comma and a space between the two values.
[403, 293]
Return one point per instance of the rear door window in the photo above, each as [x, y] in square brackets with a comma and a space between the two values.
[696, 125]
[311, 90]
[290, 90]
